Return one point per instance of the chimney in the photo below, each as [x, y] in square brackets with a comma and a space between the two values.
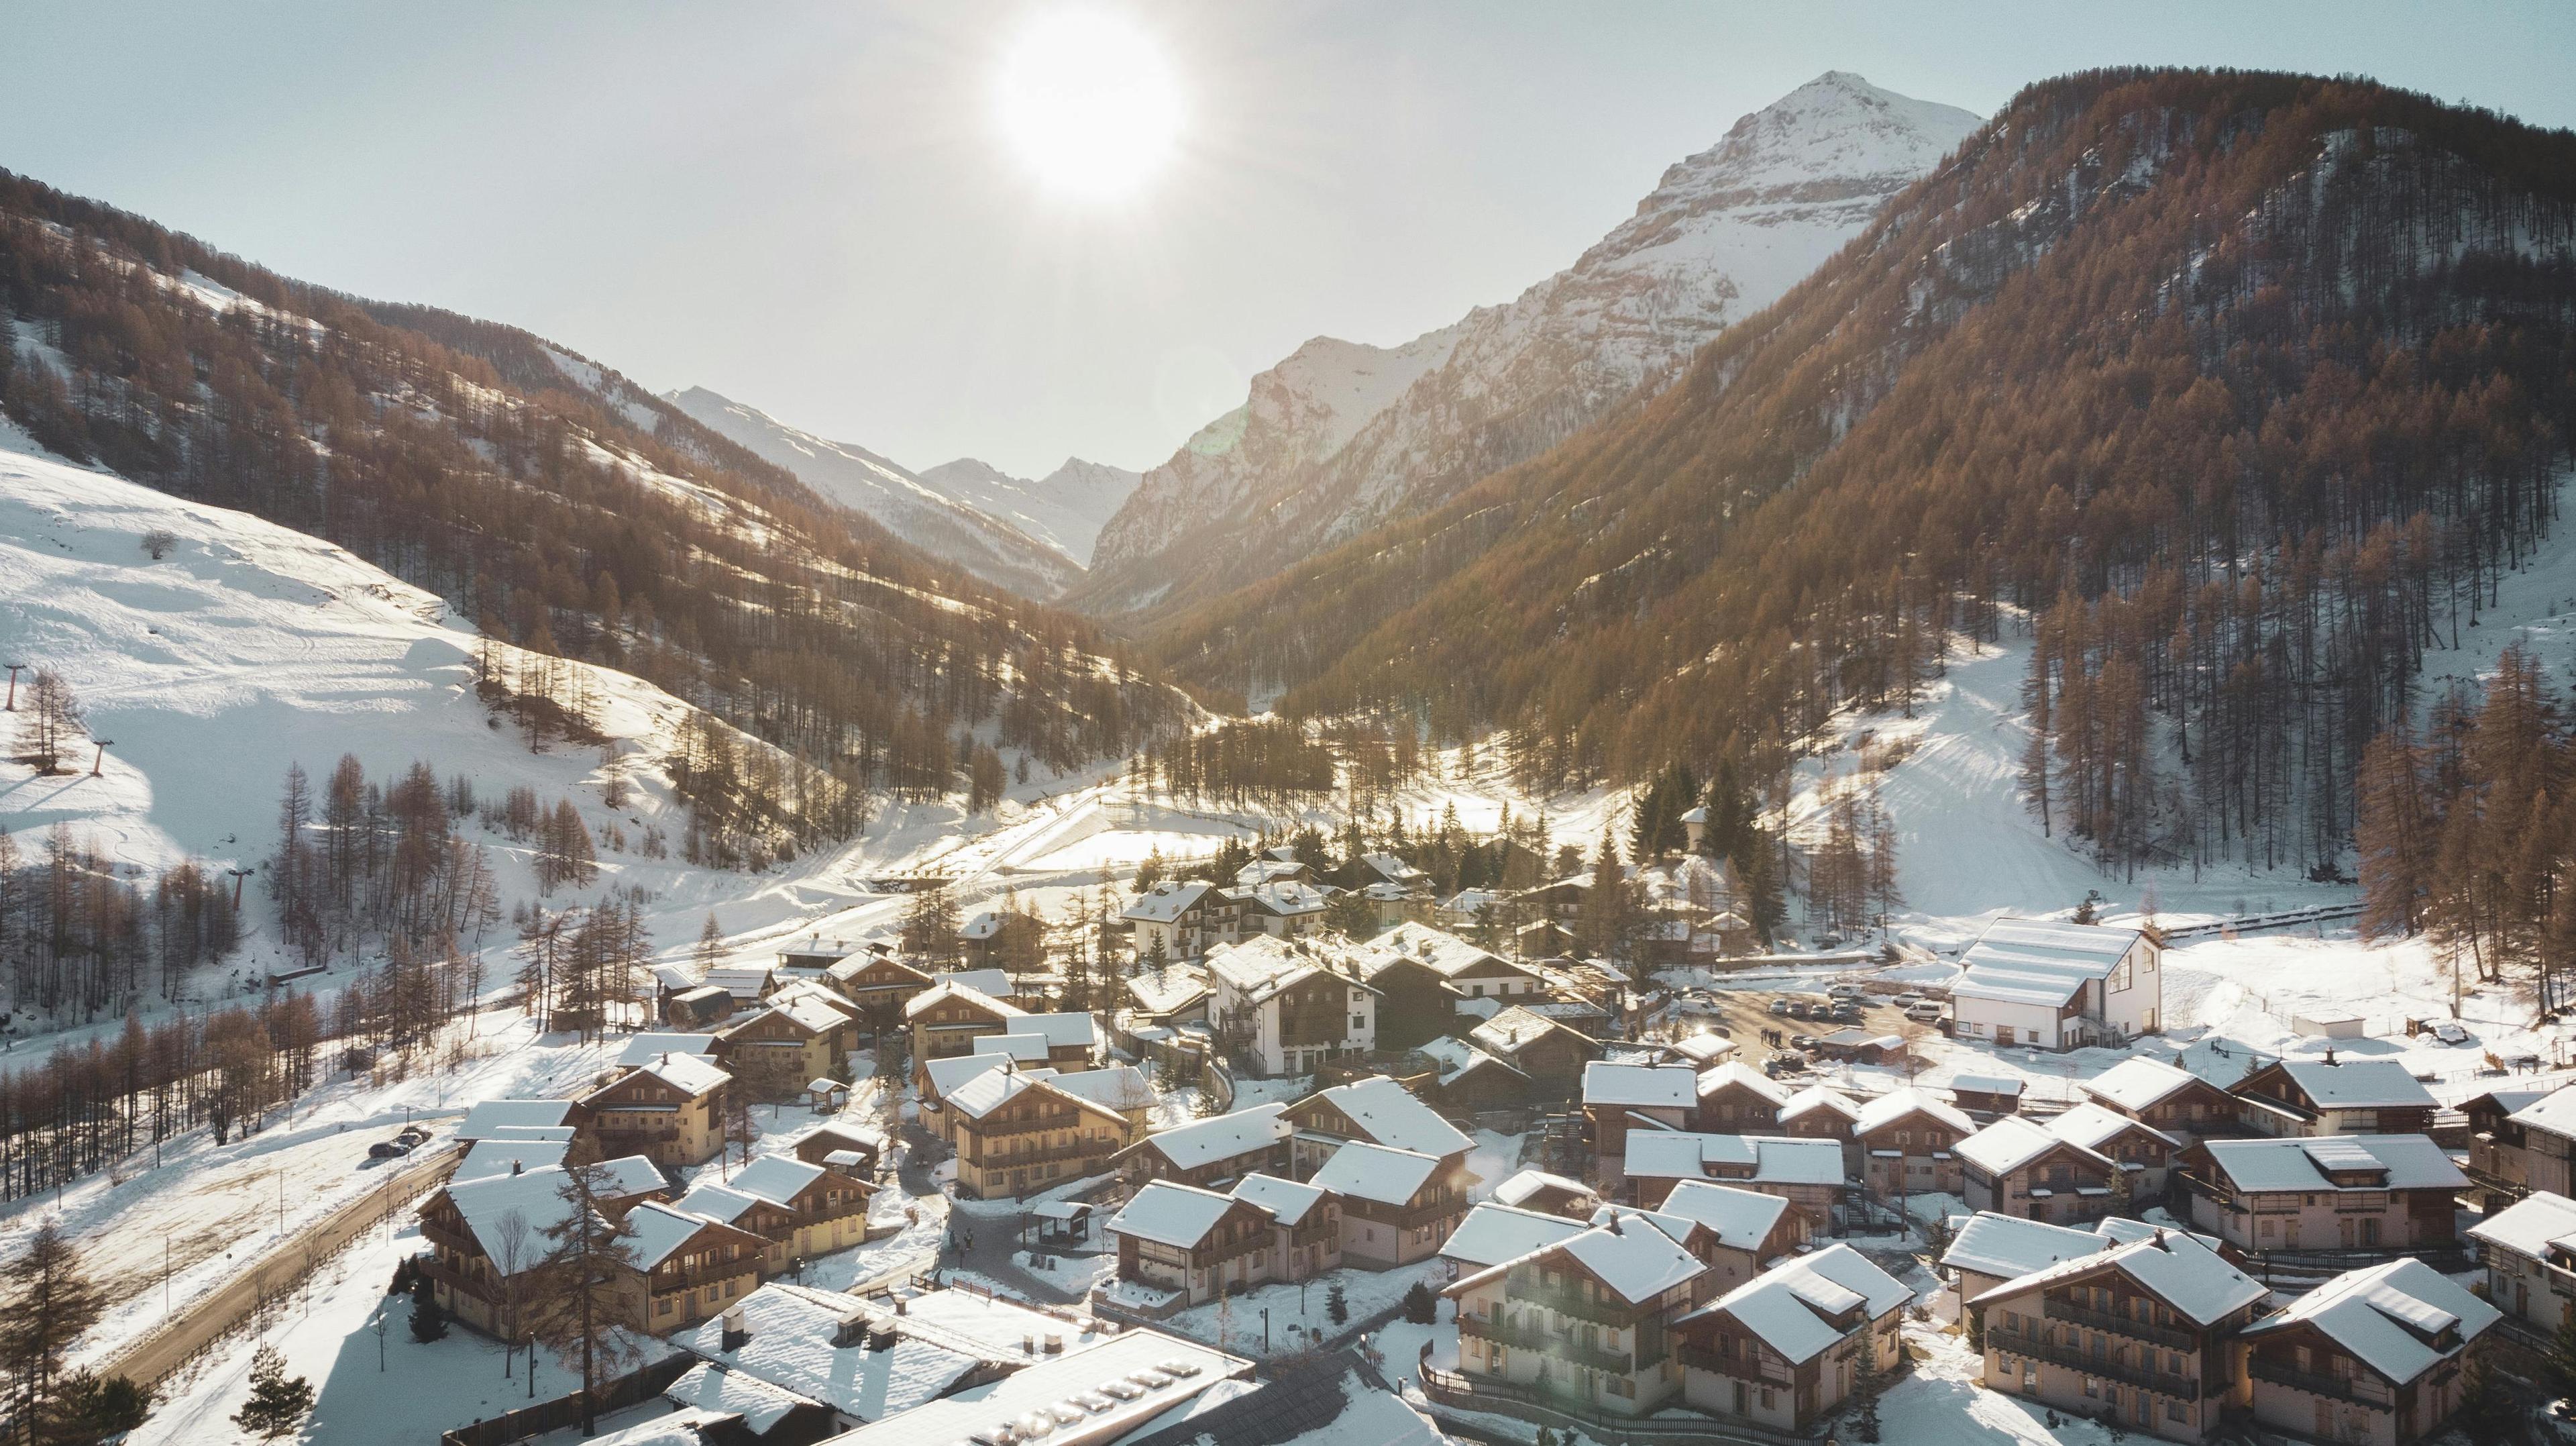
[736, 1336]
[1614, 1223]
[515, 1167]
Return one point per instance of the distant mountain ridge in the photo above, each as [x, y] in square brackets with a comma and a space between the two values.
[1341, 435]
[1065, 509]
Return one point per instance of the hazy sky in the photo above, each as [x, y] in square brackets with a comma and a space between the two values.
[810, 207]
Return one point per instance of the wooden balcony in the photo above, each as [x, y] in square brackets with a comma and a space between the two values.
[1566, 1300]
[2170, 1337]
[2147, 1377]
[1527, 1335]
[2360, 1390]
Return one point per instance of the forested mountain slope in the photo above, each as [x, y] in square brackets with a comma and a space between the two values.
[1341, 436]
[2251, 383]
[542, 496]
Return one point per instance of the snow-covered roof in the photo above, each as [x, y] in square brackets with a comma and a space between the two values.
[1742, 1218]
[637, 1048]
[1121, 1087]
[1895, 1105]
[949, 1071]
[2385, 1314]
[1790, 1307]
[810, 1007]
[2411, 1162]
[507, 1156]
[2039, 961]
[1169, 989]
[1493, 1233]
[1262, 871]
[1513, 1030]
[986, 924]
[1394, 870]
[2555, 1113]
[1740, 1075]
[1774, 1160]
[713, 1389]
[1062, 1031]
[2089, 1124]
[537, 1196]
[490, 1115]
[659, 1230]
[2175, 1267]
[1029, 1047]
[1986, 1084]
[1286, 898]
[2008, 1247]
[1452, 1058]
[2137, 1083]
[991, 1090]
[1390, 1115]
[1172, 1214]
[1523, 1184]
[1162, 1371]
[717, 1202]
[1288, 1201]
[994, 981]
[2012, 1142]
[1640, 1086]
[787, 1340]
[742, 981]
[1445, 952]
[2529, 1226]
[1702, 1050]
[815, 946]
[1375, 1172]
[1221, 1137]
[690, 1074]
[948, 990]
[775, 1178]
[1818, 1097]
[1636, 1262]
[2359, 1084]
[1166, 903]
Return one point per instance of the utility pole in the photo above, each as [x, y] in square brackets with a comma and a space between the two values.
[14, 670]
[238, 876]
[100, 761]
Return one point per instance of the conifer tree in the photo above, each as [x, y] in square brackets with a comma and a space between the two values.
[51, 1302]
[278, 1402]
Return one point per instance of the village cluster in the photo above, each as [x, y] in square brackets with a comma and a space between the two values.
[1683, 1236]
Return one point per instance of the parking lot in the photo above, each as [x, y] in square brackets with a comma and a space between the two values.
[1744, 1014]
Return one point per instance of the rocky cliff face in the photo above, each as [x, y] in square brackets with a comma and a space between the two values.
[1341, 436]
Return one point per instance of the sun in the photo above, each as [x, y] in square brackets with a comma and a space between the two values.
[1088, 103]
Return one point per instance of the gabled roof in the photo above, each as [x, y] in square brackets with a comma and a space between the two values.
[733, 1393]
[2529, 1226]
[1029, 1047]
[1062, 1031]
[947, 1072]
[2555, 1113]
[2412, 1162]
[637, 1048]
[1166, 903]
[659, 1231]
[1774, 1160]
[788, 1332]
[501, 1156]
[949, 989]
[990, 1091]
[2012, 1142]
[1703, 1050]
[1375, 1172]
[2039, 961]
[2359, 1084]
[1445, 952]
[1493, 1233]
[1640, 1086]
[1220, 1137]
[775, 1178]
[1515, 1029]
[1171, 1214]
[1986, 1084]
[1389, 1114]
[1636, 1262]
[1790, 1308]
[483, 1119]
[2173, 1266]
[858, 964]
[1288, 1201]
[1818, 1097]
[1740, 1075]
[1455, 1058]
[718, 1202]
[691, 1074]
[2387, 1316]
[2137, 1084]
[2089, 1125]
[1170, 989]
[1120, 1087]
[1742, 1218]
[2008, 1247]
[537, 1197]
[1523, 1184]
[1895, 1105]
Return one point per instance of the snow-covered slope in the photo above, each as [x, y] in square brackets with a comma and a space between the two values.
[982, 542]
[250, 647]
[1341, 436]
[1064, 509]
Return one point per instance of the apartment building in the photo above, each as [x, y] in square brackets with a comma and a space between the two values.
[2015, 1167]
[1786, 1348]
[1908, 1145]
[2377, 1357]
[2310, 1097]
[669, 1109]
[2346, 1192]
[1584, 1321]
[2529, 1252]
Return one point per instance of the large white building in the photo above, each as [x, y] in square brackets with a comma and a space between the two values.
[2058, 985]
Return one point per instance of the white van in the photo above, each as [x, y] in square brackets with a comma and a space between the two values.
[1924, 1011]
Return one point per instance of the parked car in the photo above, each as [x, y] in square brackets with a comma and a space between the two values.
[1909, 999]
[1780, 1006]
[2449, 1031]
[1846, 991]
[1780, 1064]
[394, 1148]
[1845, 1013]
[1924, 1011]
[1802, 1041]
[1801, 1009]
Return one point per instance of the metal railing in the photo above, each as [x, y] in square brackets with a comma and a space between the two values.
[2118, 1324]
[1566, 1300]
[2360, 1390]
[2105, 1366]
[1534, 1337]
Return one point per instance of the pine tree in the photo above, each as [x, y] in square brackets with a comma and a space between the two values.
[1421, 1307]
[1337, 1308]
[2558, 1364]
[50, 1303]
[710, 943]
[278, 1402]
[92, 1408]
[579, 1312]
[428, 1317]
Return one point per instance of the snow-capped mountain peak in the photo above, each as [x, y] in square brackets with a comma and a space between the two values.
[1341, 435]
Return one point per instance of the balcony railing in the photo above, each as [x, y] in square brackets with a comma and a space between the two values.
[1014, 1159]
[1566, 1300]
[2117, 1324]
[2360, 1390]
[2147, 1377]
[1525, 1334]
[1769, 1369]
